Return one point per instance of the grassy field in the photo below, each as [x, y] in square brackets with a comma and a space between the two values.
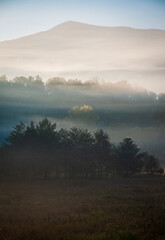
[115, 209]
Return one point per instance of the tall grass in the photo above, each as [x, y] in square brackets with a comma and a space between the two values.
[114, 209]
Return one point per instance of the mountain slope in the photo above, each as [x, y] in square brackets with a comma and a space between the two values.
[76, 49]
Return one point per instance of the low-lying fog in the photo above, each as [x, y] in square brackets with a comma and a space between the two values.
[119, 108]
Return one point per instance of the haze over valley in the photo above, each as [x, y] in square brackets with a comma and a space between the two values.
[77, 50]
[119, 108]
[82, 120]
[122, 73]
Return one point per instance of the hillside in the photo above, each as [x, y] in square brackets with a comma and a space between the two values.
[75, 49]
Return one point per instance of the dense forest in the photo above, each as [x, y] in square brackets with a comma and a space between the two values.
[39, 150]
[119, 108]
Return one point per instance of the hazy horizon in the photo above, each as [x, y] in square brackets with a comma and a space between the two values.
[78, 50]
[21, 18]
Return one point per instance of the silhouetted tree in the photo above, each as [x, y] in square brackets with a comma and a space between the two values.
[33, 145]
[47, 143]
[65, 149]
[102, 150]
[81, 155]
[151, 163]
[40, 150]
[16, 136]
[129, 161]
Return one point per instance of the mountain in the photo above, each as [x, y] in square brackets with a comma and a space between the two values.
[74, 49]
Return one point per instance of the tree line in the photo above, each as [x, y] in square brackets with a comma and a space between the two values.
[128, 92]
[40, 150]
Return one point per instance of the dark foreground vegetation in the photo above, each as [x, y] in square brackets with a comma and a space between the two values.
[40, 151]
[113, 209]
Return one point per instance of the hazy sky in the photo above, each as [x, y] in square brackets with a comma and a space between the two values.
[23, 17]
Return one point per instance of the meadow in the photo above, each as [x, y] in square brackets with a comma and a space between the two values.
[117, 208]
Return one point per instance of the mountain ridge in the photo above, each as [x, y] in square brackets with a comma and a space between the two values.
[73, 23]
[73, 48]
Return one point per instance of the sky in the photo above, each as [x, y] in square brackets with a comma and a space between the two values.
[23, 17]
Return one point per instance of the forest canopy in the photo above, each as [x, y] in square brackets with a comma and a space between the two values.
[40, 150]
